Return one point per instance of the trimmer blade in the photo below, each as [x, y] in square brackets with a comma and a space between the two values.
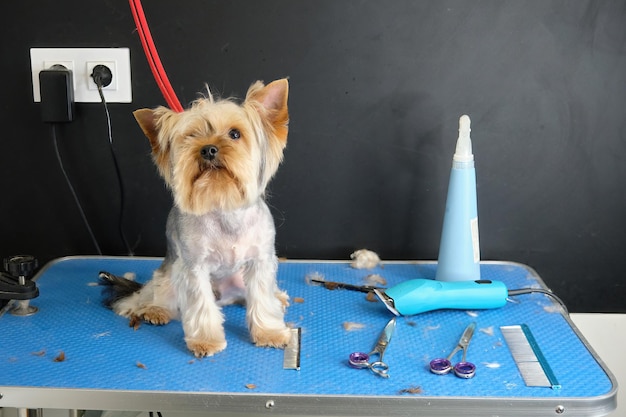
[387, 301]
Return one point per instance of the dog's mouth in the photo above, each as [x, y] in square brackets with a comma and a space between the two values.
[212, 165]
[212, 169]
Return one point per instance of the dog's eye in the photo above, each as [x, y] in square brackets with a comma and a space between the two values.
[234, 134]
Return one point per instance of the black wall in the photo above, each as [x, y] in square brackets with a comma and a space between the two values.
[376, 91]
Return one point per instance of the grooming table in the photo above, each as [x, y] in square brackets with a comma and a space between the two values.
[110, 366]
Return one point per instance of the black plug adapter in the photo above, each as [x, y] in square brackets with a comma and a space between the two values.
[56, 86]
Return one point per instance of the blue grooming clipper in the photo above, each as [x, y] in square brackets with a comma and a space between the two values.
[420, 295]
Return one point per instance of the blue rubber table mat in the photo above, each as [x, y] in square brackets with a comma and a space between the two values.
[103, 353]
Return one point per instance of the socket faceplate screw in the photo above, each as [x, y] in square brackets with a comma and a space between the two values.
[560, 409]
[269, 404]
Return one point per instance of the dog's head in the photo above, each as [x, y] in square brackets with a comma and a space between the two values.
[220, 155]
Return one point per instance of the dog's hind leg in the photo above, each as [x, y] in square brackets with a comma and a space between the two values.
[154, 303]
[265, 305]
[162, 307]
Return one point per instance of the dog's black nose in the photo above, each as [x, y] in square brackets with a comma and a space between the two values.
[208, 152]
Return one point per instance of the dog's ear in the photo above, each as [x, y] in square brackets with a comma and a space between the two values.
[146, 118]
[150, 122]
[273, 101]
[270, 102]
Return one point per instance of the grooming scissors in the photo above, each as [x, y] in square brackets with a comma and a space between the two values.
[379, 367]
[463, 369]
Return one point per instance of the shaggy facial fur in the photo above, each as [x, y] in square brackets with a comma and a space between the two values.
[219, 155]
[217, 158]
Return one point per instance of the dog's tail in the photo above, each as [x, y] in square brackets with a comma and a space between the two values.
[115, 288]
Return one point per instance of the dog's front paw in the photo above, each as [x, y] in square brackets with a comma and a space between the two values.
[201, 348]
[278, 338]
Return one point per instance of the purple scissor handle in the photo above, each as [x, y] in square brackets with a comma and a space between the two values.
[362, 360]
[463, 369]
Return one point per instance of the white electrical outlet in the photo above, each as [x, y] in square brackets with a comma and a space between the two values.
[112, 66]
[82, 61]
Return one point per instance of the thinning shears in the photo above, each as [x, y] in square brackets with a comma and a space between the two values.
[463, 369]
[379, 367]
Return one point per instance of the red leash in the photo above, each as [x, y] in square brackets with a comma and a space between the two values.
[153, 57]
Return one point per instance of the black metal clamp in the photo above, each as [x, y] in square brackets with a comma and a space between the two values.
[15, 283]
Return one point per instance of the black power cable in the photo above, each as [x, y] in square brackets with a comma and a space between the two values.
[71, 187]
[57, 106]
[102, 76]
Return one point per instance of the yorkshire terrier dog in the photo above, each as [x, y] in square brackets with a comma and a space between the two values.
[217, 158]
